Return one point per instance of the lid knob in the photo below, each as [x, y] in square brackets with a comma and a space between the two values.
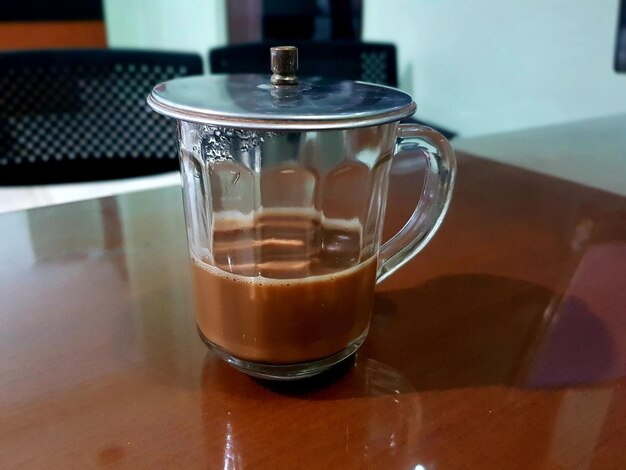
[284, 65]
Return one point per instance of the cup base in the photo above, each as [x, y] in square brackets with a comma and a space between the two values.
[285, 372]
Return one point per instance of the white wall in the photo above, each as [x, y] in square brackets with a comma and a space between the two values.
[176, 25]
[485, 66]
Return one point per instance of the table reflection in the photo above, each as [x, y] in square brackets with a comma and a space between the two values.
[388, 429]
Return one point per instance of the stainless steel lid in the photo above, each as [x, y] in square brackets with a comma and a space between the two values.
[254, 102]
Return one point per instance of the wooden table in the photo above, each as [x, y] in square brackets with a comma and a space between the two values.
[591, 151]
[503, 345]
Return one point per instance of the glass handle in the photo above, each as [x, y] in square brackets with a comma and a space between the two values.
[433, 203]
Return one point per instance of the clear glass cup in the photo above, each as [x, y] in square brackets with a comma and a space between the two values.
[285, 234]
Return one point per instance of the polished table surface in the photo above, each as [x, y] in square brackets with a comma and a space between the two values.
[502, 345]
[590, 151]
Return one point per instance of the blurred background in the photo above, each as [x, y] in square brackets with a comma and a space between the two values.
[522, 82]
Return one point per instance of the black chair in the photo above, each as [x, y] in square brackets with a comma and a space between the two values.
[81, 115]
[347, 60]
[369, 62]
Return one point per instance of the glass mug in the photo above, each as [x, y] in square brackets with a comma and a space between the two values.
[285, 232]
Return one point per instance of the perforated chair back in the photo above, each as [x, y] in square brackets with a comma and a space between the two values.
[368, 62]
[81, 115]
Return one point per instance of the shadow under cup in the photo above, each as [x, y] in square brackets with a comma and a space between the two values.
[284, 230]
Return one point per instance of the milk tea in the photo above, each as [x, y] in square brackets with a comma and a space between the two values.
[284, 287]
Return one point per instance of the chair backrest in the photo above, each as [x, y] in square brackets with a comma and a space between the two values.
[369, 62]
[81, 115]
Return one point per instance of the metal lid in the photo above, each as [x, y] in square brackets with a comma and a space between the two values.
[253, 102]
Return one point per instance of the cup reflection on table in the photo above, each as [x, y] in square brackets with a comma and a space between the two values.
[244, 434]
